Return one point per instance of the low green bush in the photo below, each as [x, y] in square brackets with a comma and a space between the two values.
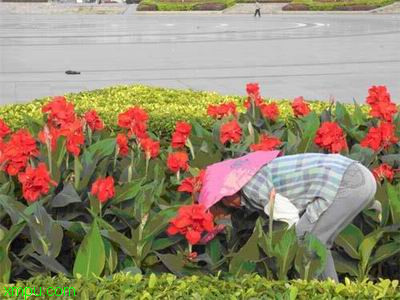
[183, 6]
[168, 286]
[341, 5]
[164, 106]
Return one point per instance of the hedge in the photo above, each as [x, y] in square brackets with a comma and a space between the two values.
[157, 5]
[326, 5]
[167, 286]
[164, 106]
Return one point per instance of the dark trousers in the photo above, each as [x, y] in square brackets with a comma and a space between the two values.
[257, 12]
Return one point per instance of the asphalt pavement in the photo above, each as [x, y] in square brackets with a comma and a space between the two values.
[316, 56]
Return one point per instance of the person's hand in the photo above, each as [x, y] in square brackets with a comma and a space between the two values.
[272, 195]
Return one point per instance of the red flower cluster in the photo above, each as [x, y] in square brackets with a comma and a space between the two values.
[4, 129]
[381, 106]
[178, 161]
[150, 147]
[35, 182]
[17, 151]
[192, 184]
[330, 137]
[60, 112]
[191, 221]
[253, 92]
[267, 143]
[222, 110]
[135, 119]
[380, 137]
[93, 120]
[383, 171]
[103, 189]
[181, 134]
[300, 107]
[122, 144]
[270, 111]
[62, 121]
[230, 132]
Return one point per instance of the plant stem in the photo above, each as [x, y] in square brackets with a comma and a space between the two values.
[130, 169]
[76, 172]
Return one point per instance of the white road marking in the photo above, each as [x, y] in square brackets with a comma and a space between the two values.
[169, 24]
[319, 24]
[301, 24]
[223, 24]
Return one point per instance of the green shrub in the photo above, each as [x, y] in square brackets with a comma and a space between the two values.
[168, 286]
[341, 5]
[183, 6]
[165, 106]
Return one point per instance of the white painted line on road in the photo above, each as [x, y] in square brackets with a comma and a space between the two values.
[301, 24]
[223, 24]
[319, 24]
[169, 24]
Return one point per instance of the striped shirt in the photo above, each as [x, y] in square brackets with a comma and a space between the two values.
[310, 180]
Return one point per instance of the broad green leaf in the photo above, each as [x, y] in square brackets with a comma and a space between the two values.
[5, 262]
[310, 259]
[310, 126]
[384, 252]
[366, 247]
[50, 263]
[248, 253]
[125, 244]
[103, 148]
[14, 209]
[285, 252]
[342, 115]
[343, 265]
[162, 243]
[350, 239]
[90, 259]
[213, 249]
[393, 193]
[174, 263]
[111, 256]
[46, 234]
[67, 196]
[127, 191]
[358, 116]
[382, 196]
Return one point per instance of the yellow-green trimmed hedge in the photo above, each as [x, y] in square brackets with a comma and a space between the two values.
[165, 106]
[168, 286]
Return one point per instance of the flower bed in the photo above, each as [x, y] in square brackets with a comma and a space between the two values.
[164, 106]
[354, 5]
[79, 199]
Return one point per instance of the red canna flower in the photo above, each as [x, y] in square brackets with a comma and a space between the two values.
[35, 182]
[103, 189]
[253, 89]
[383, 110]
[4, 129]
[17, 151]
[60, 112]
[380, 137]
[178, 140]
[222, 110]
[267, 143]
[230, 132]
[191, 221]
[377, 94]
[122, 144]
[330, 137]
[75, 137]
[300, 107]
[270, 111]
[178, 161]
[382, 172]
[93, 120]
[135, 119]
[192, 255]
[150, 147]
[192, 184]
[183, 128]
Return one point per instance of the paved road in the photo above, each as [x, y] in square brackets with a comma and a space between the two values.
[316, 56]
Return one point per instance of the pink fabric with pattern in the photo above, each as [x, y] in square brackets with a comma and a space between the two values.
[229, 176]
